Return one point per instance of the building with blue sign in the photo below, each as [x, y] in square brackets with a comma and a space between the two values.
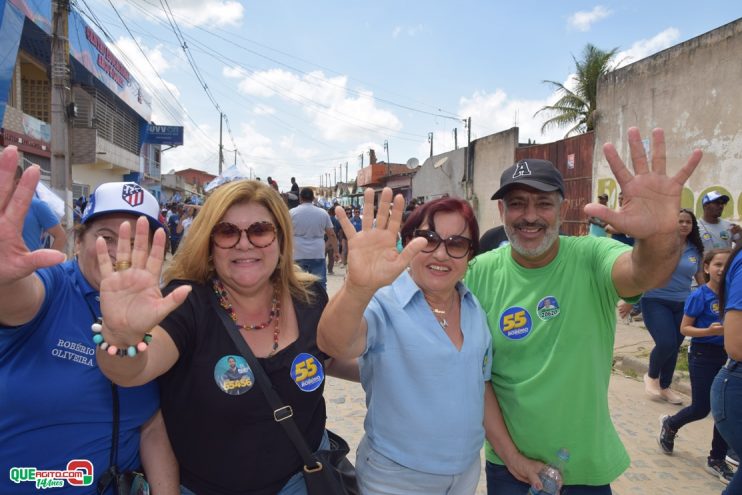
[109, 112]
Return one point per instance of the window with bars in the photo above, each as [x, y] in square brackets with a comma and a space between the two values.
[113, 121]
[35, 98]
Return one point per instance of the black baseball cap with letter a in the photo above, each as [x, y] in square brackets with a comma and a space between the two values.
[541, 175]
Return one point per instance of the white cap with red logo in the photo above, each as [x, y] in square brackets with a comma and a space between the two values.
[123, 197]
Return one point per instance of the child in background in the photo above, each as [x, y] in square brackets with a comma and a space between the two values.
[706, 356]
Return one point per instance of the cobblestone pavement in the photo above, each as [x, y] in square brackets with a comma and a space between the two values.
[634, 414]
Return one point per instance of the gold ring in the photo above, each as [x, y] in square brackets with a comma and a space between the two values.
[120, 266]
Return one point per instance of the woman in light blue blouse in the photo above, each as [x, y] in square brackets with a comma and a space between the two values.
[423, 346]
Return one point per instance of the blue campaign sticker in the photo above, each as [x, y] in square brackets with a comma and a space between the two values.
[307, 372]
[547, 308]
[515, 323]
[233, 375]
[693, 259]
[715, 307]
[706, 236]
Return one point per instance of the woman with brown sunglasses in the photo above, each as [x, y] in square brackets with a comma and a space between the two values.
[238, 250]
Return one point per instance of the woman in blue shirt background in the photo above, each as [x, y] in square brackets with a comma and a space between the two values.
[663, 311]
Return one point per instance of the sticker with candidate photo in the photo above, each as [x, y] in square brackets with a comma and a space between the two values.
[547, 308]
[307, 372]
[233, 375]
[515, 323]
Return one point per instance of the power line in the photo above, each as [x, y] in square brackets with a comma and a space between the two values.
[166, 105]
[450, 115]
[197, 72]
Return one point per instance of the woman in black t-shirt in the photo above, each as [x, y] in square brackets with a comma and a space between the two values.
[239, 250]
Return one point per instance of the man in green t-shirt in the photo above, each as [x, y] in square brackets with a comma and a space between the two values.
[550, 303]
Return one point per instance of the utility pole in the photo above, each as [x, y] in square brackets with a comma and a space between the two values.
[336, 174]
[346, 171]
[430, 140]
[388, 167]
[361, 157]
[62, 108]
[235, 157]
[221, 148]
[469, 164]
[455, 138]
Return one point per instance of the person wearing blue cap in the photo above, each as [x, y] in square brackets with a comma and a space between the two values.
[716, 232]
[58, 410]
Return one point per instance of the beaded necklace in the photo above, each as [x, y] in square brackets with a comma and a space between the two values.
[222, 295]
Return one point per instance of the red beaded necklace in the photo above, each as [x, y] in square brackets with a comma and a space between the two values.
[223, 296]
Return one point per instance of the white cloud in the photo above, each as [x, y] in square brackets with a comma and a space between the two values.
[197, 12]
[495, 112]
[583, 20]
[645, 48]
[410, 31]
[335, 112]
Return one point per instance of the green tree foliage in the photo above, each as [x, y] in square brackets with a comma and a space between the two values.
[577, 110]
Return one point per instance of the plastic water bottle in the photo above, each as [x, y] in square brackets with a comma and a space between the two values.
[551, 475]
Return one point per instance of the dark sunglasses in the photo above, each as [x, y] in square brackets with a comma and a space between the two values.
[227, 235]
[456, 246]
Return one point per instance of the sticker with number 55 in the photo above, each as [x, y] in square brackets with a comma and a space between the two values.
[307, 372]
[515, 323]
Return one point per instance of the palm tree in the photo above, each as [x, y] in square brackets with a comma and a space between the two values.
[577, 109]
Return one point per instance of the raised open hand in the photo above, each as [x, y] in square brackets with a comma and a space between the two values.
[18, 262]
[373, 260]
[651, 197]
[130, 299]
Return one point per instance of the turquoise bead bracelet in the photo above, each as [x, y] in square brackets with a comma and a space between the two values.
[112, 350]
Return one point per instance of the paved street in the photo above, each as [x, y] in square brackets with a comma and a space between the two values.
[635, 417]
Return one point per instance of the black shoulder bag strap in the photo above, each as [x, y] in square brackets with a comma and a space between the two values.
[111, 474]
[282, 414]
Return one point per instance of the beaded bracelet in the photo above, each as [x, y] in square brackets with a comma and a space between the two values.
[112, 350]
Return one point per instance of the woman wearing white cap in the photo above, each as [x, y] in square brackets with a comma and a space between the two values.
[57, 408]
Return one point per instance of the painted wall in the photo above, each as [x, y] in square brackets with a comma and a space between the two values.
[491, 155]
[692, 91]
[441, 174]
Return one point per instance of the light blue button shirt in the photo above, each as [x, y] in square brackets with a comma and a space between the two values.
[425, 398]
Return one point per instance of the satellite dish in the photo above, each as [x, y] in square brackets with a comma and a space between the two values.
[413, 163]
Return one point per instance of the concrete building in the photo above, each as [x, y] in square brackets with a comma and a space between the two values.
[107, 108]
[692, 91]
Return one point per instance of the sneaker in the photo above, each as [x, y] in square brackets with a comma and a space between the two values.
[670, 396]
[720, 469]
[652, 386]
[667, 435]
[732, 457]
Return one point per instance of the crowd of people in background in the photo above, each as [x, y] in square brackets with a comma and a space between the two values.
[503, 324]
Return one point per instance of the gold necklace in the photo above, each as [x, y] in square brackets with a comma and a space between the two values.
[440, 314]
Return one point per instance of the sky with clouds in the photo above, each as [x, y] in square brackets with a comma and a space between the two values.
[308, 86]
